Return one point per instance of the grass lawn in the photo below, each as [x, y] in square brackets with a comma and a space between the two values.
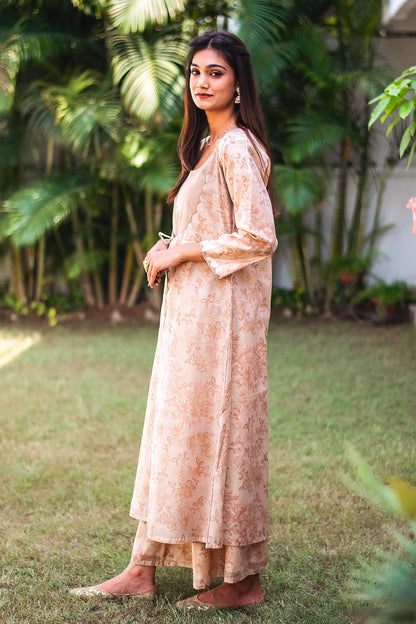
[72, 406]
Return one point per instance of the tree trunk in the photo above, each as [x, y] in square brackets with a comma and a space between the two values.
[138, 252]
[356, 229]
[134, 293]
[96, 279]
[375, 230]
[128, 267]
[30, 263]
[40, 267]
[318, 274]
[112, 276]
[79, 246]
[337, 245]
[17, 282]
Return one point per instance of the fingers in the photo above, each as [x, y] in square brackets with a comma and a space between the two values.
[154, 277]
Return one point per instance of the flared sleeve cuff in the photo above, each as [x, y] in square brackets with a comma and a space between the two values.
[232, 252]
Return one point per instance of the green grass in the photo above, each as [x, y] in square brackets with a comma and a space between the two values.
[71, 413]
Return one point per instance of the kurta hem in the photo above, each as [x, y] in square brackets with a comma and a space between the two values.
[231, 563]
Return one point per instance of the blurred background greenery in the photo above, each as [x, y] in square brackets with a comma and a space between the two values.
[91, 98]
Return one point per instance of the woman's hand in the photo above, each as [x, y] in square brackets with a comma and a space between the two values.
[160, 259]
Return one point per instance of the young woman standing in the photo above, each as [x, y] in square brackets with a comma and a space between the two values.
[201, 486]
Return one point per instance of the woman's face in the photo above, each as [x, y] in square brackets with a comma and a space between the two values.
[212, 82]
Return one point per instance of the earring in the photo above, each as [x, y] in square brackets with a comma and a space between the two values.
[237, 98]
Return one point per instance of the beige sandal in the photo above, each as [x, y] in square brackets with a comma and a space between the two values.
[91, 593]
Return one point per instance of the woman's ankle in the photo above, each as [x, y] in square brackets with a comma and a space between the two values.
[141, 571]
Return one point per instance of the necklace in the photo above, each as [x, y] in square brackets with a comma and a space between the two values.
[211, 141]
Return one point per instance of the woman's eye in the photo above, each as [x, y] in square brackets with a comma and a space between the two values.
[216, 74]
[194, 72]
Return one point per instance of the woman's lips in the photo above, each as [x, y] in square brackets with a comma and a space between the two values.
[203, 96]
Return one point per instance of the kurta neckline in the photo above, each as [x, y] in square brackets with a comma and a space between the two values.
[214, 151]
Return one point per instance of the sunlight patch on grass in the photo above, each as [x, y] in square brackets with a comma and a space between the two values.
[12, 346]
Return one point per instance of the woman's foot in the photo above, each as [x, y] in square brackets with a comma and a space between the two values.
[230, 595]
[134, 580]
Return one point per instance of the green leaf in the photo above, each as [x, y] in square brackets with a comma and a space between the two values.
[313, 133]
[378, 110]
[406, 109]
[150, 75]
[391, 126]
[19, 47]
[260, 22]
[135, 15]
[412, 151]
[84, 262]
[406, 138]
[87, 111]
[393, 104]
[33, 210]
[299, 188]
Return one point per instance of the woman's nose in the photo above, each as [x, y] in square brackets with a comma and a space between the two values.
[202, 82]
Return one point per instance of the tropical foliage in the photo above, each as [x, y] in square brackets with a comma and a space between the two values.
[388, 586]
[399, 97]
[90, 109]
[319, 126]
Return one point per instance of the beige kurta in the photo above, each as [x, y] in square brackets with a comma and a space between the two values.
[202, 473]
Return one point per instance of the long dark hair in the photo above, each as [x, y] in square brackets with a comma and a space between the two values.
[248, 113]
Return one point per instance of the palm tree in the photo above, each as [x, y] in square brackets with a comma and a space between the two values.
[81, 119]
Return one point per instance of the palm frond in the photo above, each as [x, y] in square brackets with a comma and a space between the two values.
[82, 113]
[145, 163]
[10, 145]
[299, 188]
[365, 16]
[313, 133]
[272, 59]
[314, 58]
[39, 114]
[150, 75]
[33, 210]
[84, 262]
[85, 108]
[261, 22]
[136, 15]
[19, 47]
[91, 7]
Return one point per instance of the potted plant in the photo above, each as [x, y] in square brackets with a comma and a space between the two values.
[349, 269]
[345, 275]
[388, 301]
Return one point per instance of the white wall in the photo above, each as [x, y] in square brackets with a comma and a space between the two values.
[397, 9]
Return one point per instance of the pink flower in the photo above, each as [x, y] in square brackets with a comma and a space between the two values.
[412, 206]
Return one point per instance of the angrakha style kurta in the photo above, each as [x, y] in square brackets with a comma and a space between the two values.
[202, 479]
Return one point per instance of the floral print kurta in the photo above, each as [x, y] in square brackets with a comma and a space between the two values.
[202, 475]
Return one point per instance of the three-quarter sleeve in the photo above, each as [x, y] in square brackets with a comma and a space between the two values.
[254, 236]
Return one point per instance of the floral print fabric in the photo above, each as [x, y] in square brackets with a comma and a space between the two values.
[232, 563]
[202, 472]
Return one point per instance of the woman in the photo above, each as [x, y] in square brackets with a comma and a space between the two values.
[201, 486]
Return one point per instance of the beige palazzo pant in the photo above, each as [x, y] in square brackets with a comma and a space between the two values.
[232, 563]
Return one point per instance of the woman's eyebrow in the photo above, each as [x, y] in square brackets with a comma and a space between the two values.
[212, 65]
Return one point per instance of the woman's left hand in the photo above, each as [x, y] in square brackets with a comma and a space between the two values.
[158, 261]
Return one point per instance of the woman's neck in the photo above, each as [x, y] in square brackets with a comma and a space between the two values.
[220, 123]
